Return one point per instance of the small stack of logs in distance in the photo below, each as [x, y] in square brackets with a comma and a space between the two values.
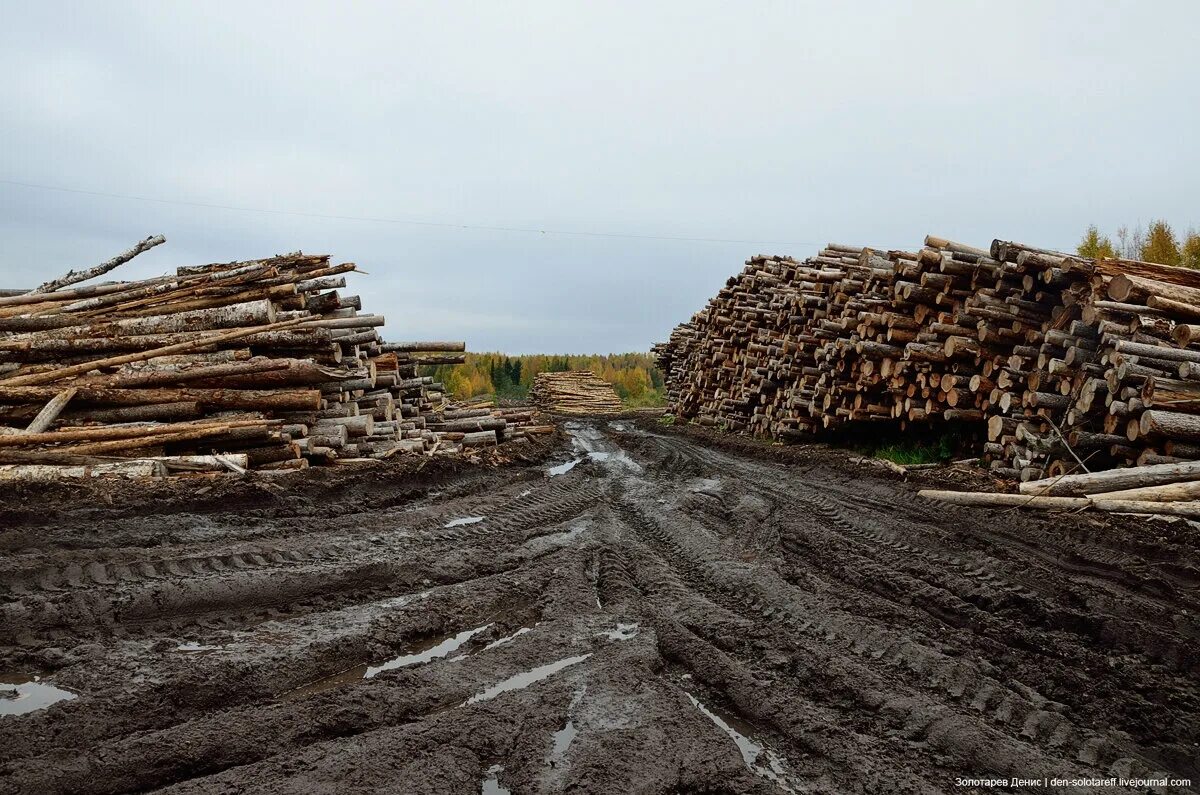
[575, 392]
[1066, 363]
[263, 365]
[485, 424]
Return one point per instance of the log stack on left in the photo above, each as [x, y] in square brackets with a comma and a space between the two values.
[264, 364]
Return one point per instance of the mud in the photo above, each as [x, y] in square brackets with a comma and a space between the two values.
[675, 612]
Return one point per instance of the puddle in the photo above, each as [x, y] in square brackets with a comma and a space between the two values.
[566, 735]
[27, 694]
[758, 758]
[432, 652]
[426, 652]
[192, 647]
[563, 469]
[507, 638]
[491, 783]
[622, 632]
[525, 679]
[525, 493]
[562, 741]
[464, 520]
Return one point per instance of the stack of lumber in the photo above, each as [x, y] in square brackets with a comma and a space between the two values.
[264, 364]
[574, 392]
[1065, 363]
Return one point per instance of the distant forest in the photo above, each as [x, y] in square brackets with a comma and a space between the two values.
[1155, 243]
[633, 375]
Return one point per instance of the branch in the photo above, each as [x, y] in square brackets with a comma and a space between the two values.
[74, 277]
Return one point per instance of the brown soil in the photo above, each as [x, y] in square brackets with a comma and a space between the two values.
[678, 612]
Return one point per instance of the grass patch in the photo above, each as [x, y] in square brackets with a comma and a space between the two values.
[652, 399]
[930, 449]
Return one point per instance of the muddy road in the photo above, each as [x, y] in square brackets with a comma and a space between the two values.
[643, 613]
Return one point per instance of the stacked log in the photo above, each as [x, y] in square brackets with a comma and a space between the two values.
[1068, 363]
[1107, 343]
[484, 424]
[578, 392]
[265, 364]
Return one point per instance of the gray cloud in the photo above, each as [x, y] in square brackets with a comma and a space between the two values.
[868, 123]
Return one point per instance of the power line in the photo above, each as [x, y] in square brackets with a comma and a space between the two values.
[435, 224]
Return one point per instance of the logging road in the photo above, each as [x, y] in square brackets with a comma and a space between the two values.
[662, 616]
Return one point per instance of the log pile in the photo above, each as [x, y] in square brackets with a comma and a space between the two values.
[484, 424]
[264, 364]
[575, 392]
[1065, 363]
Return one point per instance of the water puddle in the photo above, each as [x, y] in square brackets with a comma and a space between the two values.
[443, 648]
[618, 457]
[525, 679]
[22, 694]
[562, 741]
[464, 520]
[525, 493]
[563, 469]
[491, 783]
[622, 632]
[507, 638]
[566, 735]
[428, 651]
[192, 647]
[758, 758]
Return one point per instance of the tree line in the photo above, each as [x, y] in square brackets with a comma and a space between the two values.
[633, 375]
[1155, 243]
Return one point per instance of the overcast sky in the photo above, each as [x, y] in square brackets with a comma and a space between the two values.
[779, 125]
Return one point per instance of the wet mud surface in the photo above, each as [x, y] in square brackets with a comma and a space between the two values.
[662, 615]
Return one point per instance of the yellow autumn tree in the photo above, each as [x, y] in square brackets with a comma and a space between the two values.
[1161, 245]
[1189, 252]
[1095, 244]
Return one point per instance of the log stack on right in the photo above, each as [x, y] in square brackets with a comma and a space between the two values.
[574, 392]
[1062, 363]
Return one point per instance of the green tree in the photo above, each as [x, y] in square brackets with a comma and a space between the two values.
[1190, 251]
[1160, 245]
[1095, 245]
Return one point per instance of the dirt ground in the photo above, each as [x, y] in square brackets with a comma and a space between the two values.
[673, 612]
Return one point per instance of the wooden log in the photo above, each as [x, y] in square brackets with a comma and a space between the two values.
[992, 500]
[80, 369]
[1130, 288]
[46, 417]
[115, 432]
[52, 472]
[1114, 480]
[1155, 423]
[1190, 509]
[156, 412]
[1171, 492]
[74, 277]
[248, 399]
